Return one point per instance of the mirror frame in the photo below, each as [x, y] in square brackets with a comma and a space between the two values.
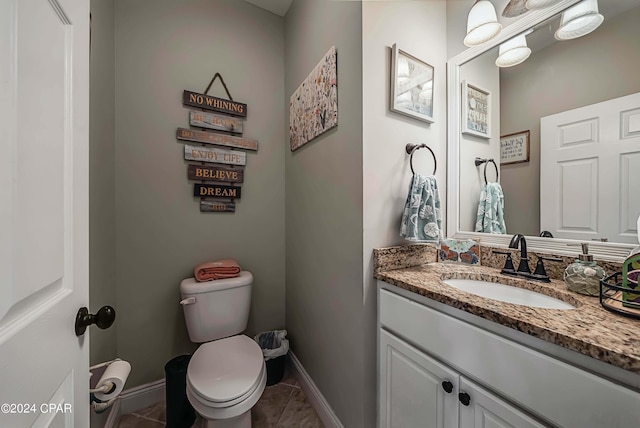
[607, 251]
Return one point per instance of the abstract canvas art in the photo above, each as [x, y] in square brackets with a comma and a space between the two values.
[313, 107]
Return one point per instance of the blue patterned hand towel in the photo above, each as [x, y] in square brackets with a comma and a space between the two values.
[422, 219]
[491, 210]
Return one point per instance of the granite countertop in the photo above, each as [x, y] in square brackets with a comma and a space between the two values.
[589, 329]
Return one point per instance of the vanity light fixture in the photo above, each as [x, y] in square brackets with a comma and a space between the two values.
[513, 51]
[482, 23]
[540, 4]
[579, 20]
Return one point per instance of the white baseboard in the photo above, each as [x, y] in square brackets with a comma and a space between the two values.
[141, 396]
[114, 415]
[133, 399]
[315, 398]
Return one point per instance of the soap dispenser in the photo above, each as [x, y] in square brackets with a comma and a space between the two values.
[583, 276]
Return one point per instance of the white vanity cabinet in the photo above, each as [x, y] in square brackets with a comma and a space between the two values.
[418, 391]
[486, 410]
[505, 384]
[415, 390]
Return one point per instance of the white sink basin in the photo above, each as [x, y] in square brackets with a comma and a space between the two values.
[508, 294]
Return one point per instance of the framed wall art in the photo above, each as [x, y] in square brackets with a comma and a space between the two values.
[476, 111]
[514, 148]
[411, 86]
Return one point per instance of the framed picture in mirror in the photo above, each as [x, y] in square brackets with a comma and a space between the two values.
[411, 86]
[476, 110]
[514, 148]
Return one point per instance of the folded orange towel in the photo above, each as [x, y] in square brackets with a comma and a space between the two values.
[220, 269]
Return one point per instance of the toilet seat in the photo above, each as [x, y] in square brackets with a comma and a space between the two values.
[226, 372]
[211, 413]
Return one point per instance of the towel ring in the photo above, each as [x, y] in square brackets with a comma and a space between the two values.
[480, 161]
[411, 148]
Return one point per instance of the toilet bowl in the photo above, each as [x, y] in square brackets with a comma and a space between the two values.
[225, 378]
[227, 374]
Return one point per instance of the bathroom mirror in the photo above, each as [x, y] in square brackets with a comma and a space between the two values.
[541, 86]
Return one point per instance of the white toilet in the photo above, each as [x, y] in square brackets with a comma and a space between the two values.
[227, 373]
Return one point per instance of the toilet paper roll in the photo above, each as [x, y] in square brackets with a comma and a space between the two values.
[115, 376]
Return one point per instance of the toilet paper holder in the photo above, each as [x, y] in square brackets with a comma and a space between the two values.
[110, 384]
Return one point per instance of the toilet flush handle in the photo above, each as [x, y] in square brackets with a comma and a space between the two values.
[188, 301]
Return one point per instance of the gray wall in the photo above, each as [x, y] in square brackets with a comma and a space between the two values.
[324, 212]
[162, 48]
[483, 73]
[597, 67]
[102, 254]
[457, 11]
[102, 265]
[386, 168]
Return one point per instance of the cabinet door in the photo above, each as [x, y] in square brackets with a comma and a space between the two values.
[412, 388]
[485, 410]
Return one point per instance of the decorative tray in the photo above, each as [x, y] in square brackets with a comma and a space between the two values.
[611, 297]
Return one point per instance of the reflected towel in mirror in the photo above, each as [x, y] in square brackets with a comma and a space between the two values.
[491, 210]
[422, 218]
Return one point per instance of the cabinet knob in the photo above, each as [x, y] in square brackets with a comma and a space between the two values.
[464, 398]
[447, 386]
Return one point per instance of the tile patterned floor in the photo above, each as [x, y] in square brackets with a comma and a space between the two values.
[282, 405]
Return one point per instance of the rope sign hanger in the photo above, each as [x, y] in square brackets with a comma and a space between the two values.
[215, 76]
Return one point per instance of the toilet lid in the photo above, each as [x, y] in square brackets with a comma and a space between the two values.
[225, 369]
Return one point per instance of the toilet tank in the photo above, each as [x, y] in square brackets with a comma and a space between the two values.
[216, 309]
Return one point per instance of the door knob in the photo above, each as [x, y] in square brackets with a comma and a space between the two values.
[103, 319]
[447, 386]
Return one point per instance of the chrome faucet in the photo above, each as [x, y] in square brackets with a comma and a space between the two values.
[518, 239]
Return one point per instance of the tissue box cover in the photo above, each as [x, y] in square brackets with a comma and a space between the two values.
[459, 250]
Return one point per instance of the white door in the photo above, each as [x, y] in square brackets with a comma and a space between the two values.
[44, 120]
[590, 170]
[485, 410]
[415, 390]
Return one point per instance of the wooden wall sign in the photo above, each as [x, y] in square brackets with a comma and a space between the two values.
[213, 138]
[206, 154]
[215, 121]
[208, 102]
[217, 206]
[216, 191]
[223, 163]
[222, 173]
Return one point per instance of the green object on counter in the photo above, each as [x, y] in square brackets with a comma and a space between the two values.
[583, 276]
[630, 273]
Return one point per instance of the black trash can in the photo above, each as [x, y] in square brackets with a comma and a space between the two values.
[275, 346]
[275, 370]
[180, 414]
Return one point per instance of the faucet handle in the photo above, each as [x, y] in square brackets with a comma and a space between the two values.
[508, 268]
[540, 272]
